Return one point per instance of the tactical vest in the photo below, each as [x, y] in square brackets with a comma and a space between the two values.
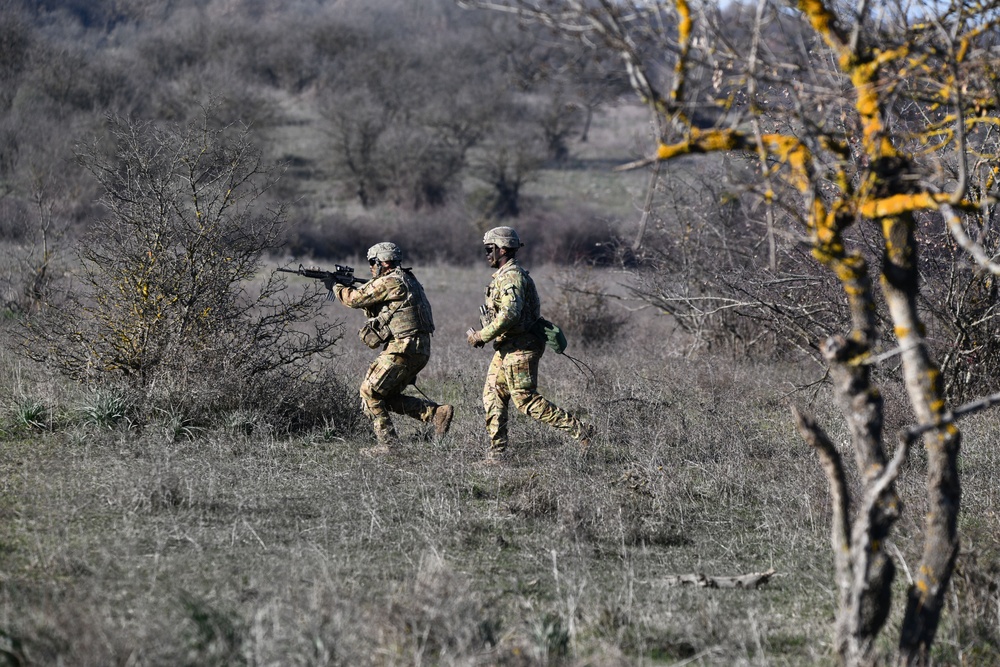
[531, 309]
[412, 316]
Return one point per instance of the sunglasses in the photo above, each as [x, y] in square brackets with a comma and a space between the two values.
[372, 262]
[490, 249]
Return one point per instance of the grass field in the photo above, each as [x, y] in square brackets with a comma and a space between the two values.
[236, 544]
[169, 545]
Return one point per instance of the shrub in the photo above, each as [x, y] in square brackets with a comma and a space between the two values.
[581, 308]
[570, 235]
[106, 408]
[31, 414]
[168, 303]
[444, 235]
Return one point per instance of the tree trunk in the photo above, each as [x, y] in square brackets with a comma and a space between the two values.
[925, 597]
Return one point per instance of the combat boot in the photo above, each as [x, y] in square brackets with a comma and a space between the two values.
[386, 441]
[442, 419]
[494, 456]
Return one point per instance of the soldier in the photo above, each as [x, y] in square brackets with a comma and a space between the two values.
[400, 322]
[512, 308]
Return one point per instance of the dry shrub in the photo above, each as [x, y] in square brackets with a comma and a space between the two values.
[441, 235]
[304, 403]
[961, 304]
[582, 309]
[567, 236]
[166, 305]
[334, 238]
[454, 235]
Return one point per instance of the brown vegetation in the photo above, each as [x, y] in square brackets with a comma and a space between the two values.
[188, 490]
[863, 124]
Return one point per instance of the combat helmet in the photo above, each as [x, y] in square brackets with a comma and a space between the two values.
[385, 252]
[502, 237]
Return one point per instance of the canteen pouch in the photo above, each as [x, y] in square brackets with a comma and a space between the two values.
[549, 332]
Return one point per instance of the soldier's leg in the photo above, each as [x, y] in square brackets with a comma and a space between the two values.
[521, 371]
[495, 399]
[382, 375]
[392, 391]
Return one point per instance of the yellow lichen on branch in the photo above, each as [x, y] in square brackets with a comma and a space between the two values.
[787, 149]
[701, 141]
[795, 154]
[684, 42]
[824, 22]
[904, 203]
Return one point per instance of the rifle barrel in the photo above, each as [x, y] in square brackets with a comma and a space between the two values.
[321, 274]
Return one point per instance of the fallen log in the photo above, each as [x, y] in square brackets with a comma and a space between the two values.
[702, 580]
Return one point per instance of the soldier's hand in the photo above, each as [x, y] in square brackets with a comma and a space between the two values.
[473, 337]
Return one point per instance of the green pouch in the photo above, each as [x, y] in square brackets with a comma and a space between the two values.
[553, 336]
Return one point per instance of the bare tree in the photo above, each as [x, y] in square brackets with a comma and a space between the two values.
[596, 81]
[875, 116]
[511, 159]
[402, 121]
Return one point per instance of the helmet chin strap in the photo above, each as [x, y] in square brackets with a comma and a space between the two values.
[501, 257]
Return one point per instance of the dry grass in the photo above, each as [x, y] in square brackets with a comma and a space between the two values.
[140, 547]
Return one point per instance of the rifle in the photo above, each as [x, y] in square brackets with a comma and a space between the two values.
[340, 274]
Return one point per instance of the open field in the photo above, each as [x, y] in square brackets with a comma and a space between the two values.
[171, 545]
[205, 499]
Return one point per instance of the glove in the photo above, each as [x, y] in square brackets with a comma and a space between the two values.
[473, 337]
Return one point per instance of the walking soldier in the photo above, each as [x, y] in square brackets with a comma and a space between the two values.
[511, 311]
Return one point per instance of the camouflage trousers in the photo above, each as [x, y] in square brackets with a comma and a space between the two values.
[382, 392]
[513, 376]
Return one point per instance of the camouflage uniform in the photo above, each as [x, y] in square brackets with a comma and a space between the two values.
[398, 300]
[512, 308]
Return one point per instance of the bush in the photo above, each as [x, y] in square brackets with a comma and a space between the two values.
[568, 236]
[168, 305]
[444, 235]
[454, 235]
[581, 308]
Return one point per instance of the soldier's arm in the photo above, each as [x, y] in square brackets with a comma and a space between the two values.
[372, 293]
[508, 313]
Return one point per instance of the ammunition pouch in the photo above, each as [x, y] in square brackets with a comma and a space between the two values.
[378, 330]
[486, 316]
[374, 333]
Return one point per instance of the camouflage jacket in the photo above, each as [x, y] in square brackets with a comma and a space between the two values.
[512, 307]
[399, 298]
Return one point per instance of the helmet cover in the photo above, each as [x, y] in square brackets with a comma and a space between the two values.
[385, 252]
[502, 237]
